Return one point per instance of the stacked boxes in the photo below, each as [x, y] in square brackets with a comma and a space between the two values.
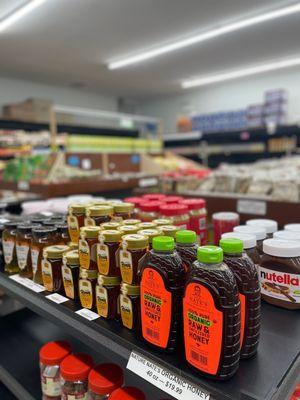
[276, 107]
[221, 121]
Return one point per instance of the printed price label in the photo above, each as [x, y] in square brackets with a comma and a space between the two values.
[169, 382]
[87, 314]
[57, 298]
[28, 283]
[146, 182]
[254, 207]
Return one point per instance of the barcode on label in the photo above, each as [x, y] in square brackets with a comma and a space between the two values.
[153, 334]
[198, 357]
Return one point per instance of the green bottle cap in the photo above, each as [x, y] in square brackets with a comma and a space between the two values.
[163, 243]
[232, 245]
[186, 237]
[210, 254]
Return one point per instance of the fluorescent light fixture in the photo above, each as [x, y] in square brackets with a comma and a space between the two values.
[227, 76]
[19, 13]
[222, 30]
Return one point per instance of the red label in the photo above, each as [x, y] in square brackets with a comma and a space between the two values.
[203, 329]
[156, 308]
[243, 316]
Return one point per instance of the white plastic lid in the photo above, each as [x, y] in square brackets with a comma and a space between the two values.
[259, 231]
[224, 215]
[270, 225]
[292, 227]
[287, 235]
[281, 248]
[249, 241]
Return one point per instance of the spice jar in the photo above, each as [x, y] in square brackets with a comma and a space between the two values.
[198, 217]
[130, 306]
[62, 233]
[150, 234]
[103, 380]
[131, 221]
[132, 249]
[178, 213]
[74, 371]
[123, 211]
[162, 221]
[23, 242]
[107, 296]
[97, 215]
[149, 210]
[127, 393]
[86, 286]
[147, 225]
[75, 220]
[88, 247]
[154, 197]
[128, 229]
[169, 230]
[41, 237]
[70, 273]
[51, 356]
[9, 247]
[107, 252]
[224, 222]
[110, 225]
[52, 267]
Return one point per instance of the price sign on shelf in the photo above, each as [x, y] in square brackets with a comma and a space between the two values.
[57, 298]
[28, 283]
[87, 314]
[255, 207]
[164, 379]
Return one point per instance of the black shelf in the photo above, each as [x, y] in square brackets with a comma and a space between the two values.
[271, 375]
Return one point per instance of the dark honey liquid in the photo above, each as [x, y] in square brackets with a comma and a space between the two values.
[188, 254]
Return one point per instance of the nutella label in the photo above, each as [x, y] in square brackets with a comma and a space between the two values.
[280, 285]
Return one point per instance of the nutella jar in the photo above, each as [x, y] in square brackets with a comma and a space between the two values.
[97, 215]
[123, 211]
[287, 235]
[279, 273]
[249, 242]
[292, 227]
[270, 225]
[259, 231]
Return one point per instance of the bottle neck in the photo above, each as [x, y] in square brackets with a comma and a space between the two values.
[233, 254]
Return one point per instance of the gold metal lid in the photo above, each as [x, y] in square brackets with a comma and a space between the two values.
[96, 211]
[108, 280]
[146, 225]
[127, 229]
[77, 207]
[162, 221]
[56, 251]
[169, 230]
[150, 233]
[88, 273]
[100, 203]
[73, 245]
[130, 290]
[131, 221]
[135, 241]
[123, 207]
[110, 225]
[90, 231]
[71, 257]
[110, 235]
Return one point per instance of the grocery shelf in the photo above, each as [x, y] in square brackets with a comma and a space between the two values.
[271, 375]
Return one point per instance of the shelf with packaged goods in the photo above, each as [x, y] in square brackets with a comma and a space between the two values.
[271, 375]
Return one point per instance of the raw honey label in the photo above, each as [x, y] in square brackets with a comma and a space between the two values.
[156, 308]
[103, 259]
[126, 311]
[8, 250]
[86, 293]
[47, 275]
[22, 255]
[68, 282]
[35, 251]
[102, 301]
[84, 254]
[243, 317]
[203, 329]
[126, 266]
[73, 228]
[88, 221]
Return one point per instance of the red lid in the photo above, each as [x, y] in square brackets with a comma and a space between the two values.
[105, 378]
[127, 393]
[154, 196]
[76, 367]
[134, 200]
[53, 353]
[194, 204]
[149, 206]
[173, 209]
[172, 199]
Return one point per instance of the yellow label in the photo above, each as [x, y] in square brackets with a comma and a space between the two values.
[86, 293]
[68, 282]
[73, 228]
[47, 275]
[102, 301]
[88, 221]
[103, 259]
[126, 311]
[126, 266]
[84, 254]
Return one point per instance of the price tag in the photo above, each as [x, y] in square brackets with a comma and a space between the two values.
[23, 185]
[171, 383]
[255, 207]
[87, 314]
[28, 283]
[146, 182]
[57, 298]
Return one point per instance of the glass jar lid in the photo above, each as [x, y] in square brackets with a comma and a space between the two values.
[72, 257]
[169, 230]
[77, 208]
[123, 207]
[97, 211]
[127, 229]
[110, 235]
[135, 241]
[147, 225]
[150, 233]
[162, 221]
[56, 251]
[131, 221]
[90, 231]
[110, 225]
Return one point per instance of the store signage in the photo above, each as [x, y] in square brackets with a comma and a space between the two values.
[255, 207]
[57, 298]
[87, 314]
[164, 379]
[28, 283]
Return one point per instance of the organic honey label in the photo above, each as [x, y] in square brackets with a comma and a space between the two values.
[126, 266]
[203, 329]
[86, 293]
[88, 221]
[126, 311]
[35, 251]
[84, 254]
[22, 255]
[102, 301]
[47, 275]
[68, 282]
[8, 250]
[103, 259]
[73, 228]
[156, 308]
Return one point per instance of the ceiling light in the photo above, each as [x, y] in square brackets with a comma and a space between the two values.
[240, 73]
[222, 30]
[19, 13]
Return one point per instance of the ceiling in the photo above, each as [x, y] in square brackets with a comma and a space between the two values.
[68, 42]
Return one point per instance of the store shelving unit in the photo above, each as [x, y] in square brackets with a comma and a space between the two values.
[271, 375]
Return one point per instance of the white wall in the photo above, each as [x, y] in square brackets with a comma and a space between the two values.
[231, 95]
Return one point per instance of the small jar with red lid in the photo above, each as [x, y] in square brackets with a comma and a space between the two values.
[198, 217]
[224, 222]
[154, 197]
[74, 371]
[103, 380]
[178, 213]
[51, 356]
[172, 199]
[136, 201]
[127, 393]
[149, 210]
